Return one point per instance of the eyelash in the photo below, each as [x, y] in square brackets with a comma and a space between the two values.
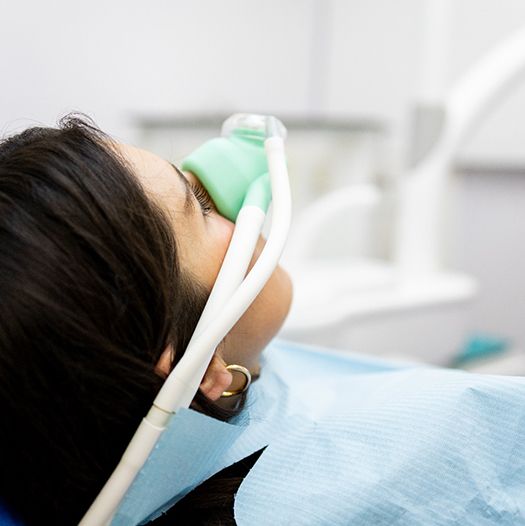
[203, 198]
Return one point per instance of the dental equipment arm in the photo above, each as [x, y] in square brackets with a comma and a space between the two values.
[418, 234]
[218, 317]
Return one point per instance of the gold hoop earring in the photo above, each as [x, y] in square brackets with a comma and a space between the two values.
[247, 376]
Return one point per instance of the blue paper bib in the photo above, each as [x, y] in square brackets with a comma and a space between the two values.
[352, 440]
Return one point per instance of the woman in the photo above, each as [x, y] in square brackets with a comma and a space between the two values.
[108, 254]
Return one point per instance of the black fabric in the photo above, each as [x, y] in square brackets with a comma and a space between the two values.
[211, 503]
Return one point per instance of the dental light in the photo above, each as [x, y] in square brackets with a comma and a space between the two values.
[238, 169]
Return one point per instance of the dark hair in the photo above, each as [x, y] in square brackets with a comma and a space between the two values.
[91, 293]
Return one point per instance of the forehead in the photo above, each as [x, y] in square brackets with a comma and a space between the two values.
[148, 166]
[157, 176]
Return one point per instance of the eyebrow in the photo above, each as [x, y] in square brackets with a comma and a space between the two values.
[188, 202]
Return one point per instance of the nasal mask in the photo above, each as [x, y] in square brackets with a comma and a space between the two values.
[243, 171]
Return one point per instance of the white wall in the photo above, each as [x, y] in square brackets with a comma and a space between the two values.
[477, 26]
[114, 59]
[356, 58]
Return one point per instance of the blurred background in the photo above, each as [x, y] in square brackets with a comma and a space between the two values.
[363, 88]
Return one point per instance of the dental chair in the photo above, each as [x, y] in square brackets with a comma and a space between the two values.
[397, 308]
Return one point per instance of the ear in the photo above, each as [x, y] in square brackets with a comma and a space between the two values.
[163, 366]
[217, 379]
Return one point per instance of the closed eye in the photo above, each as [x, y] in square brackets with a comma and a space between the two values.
[198, 191]
[203, 198]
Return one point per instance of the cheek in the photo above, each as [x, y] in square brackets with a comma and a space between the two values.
[222, 231]
[277, 293]
[218, 235]
[276, 296]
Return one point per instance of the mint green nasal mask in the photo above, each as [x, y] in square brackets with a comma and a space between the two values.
[233, 169]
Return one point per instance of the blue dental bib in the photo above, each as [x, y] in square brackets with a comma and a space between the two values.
[352, 440]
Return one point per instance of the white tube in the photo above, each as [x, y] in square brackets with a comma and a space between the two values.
[233, 269]
[235, 264]
[180, 387]
[103, 507]
[182, 384]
